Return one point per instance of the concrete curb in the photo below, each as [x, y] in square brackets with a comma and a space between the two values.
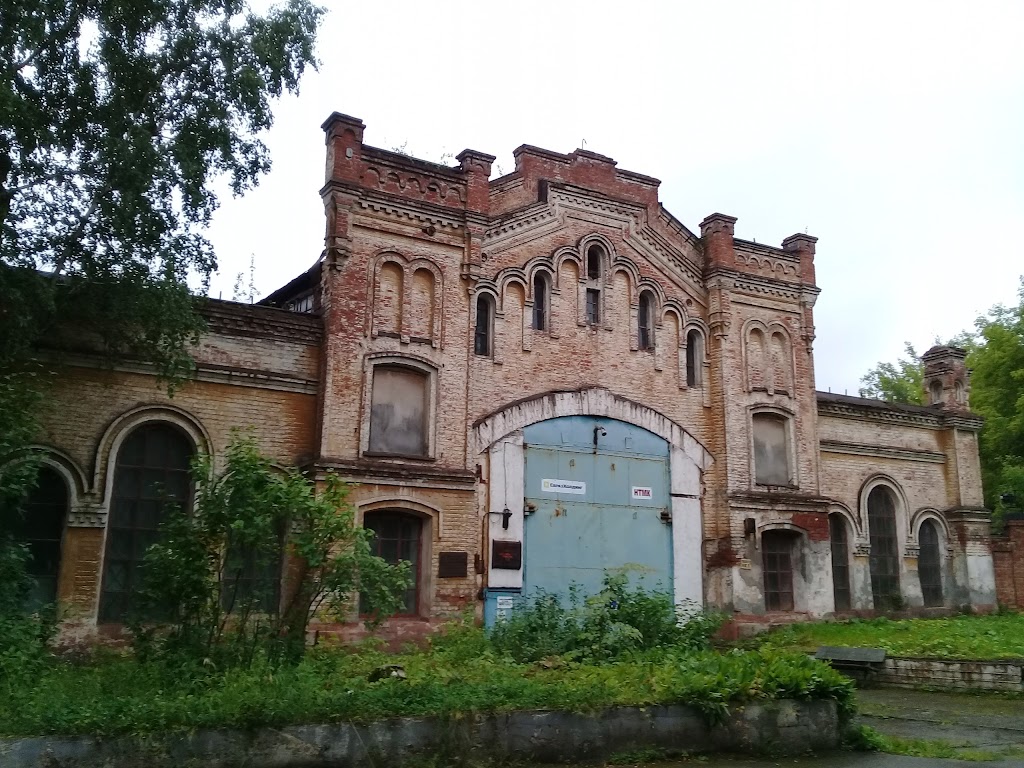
[782, 727]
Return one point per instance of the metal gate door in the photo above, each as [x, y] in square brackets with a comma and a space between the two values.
[599, 494]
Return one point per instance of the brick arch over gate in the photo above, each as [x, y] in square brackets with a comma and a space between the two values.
[596, 401]
[498, 441]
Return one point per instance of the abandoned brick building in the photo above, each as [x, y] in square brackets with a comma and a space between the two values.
[534, 379]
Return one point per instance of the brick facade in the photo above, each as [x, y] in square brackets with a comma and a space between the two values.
[1008, 558]
[582, 249]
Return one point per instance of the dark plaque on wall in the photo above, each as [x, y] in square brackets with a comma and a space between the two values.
[507, 554]
[452, 565]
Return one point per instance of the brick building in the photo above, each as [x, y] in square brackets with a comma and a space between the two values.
[533, 379]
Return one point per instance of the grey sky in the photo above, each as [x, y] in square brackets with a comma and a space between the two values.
[892, 131]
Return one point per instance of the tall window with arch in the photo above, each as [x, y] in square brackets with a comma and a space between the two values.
[694, 358]
[541, 300]
[645, 321]
[771, 449]
[398, 536]
[839, 542]
[595, 273]
[399, 411]
[151, 475]
[483, 330]
[884, 562]
[929, 564]
[39, 525]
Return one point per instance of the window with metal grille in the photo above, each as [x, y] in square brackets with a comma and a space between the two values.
[251, 577]
[929, 563]
[397, 537]
[644, 316]
[540, 301]
[884, 562]
[777, 566]
[483, 332]
[398, 411]
[151, 475]
[840, 561]
[39, 525]
[593, 306]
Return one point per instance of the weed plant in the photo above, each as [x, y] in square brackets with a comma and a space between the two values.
[997, 636]
[461, 673]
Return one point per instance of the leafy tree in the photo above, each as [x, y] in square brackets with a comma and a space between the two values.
[997, 393]
[896, 383]
[995, 356]
[214, 578]
[115, 118]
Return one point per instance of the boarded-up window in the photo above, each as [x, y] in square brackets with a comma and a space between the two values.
[885, 557]
[39, 525]
[756, 360]
[771, 450]
[694, 358]
[398, 413]
[840, 561]
[152, 474]
[929, 564]
[777, 566]
[645, 321]
[387, 305]
[421, 325]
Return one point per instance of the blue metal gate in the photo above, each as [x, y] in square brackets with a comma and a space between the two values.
[599, 494]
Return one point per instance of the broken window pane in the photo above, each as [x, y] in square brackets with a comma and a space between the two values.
[398, 412]
[771, 456]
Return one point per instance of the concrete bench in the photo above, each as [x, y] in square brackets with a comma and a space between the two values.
[859, 663]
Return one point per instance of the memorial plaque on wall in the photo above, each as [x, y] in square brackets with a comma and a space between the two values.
[452, 565]
[507, 554]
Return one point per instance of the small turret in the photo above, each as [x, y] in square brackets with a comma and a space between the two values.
[946, 378]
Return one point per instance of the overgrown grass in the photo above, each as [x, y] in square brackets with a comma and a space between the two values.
[999, 636]
[461, 674]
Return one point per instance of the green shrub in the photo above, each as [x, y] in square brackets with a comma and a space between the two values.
[617, 621]
[24, 637]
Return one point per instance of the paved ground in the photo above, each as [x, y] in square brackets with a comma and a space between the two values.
[983, 720]
[983, 723]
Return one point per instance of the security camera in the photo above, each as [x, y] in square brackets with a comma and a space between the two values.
[602, 431]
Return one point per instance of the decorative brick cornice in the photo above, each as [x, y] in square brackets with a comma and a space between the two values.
[879, 411]
[398, 472]
[881, 451]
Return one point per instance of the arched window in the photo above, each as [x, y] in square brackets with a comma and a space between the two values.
[39, 524]
[694, 358]
[884, 562]
[397, 537]
[595, 271]
[399, 411]
[929, 564]
[484, 330]
[645, 321]
[840, 561]
[540, 300]
[935, 391]
[151, 475]
[777, 567]
[771, 449]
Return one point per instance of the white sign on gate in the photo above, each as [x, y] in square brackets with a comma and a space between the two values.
[639, 492]
[563, 486]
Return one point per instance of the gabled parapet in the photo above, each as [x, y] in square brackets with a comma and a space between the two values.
[351, 163]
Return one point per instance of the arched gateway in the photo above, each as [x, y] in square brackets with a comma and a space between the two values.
[586, 481]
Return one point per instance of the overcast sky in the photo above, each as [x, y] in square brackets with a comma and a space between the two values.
[892, 131]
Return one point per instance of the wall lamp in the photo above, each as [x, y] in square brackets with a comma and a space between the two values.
[506, 515]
